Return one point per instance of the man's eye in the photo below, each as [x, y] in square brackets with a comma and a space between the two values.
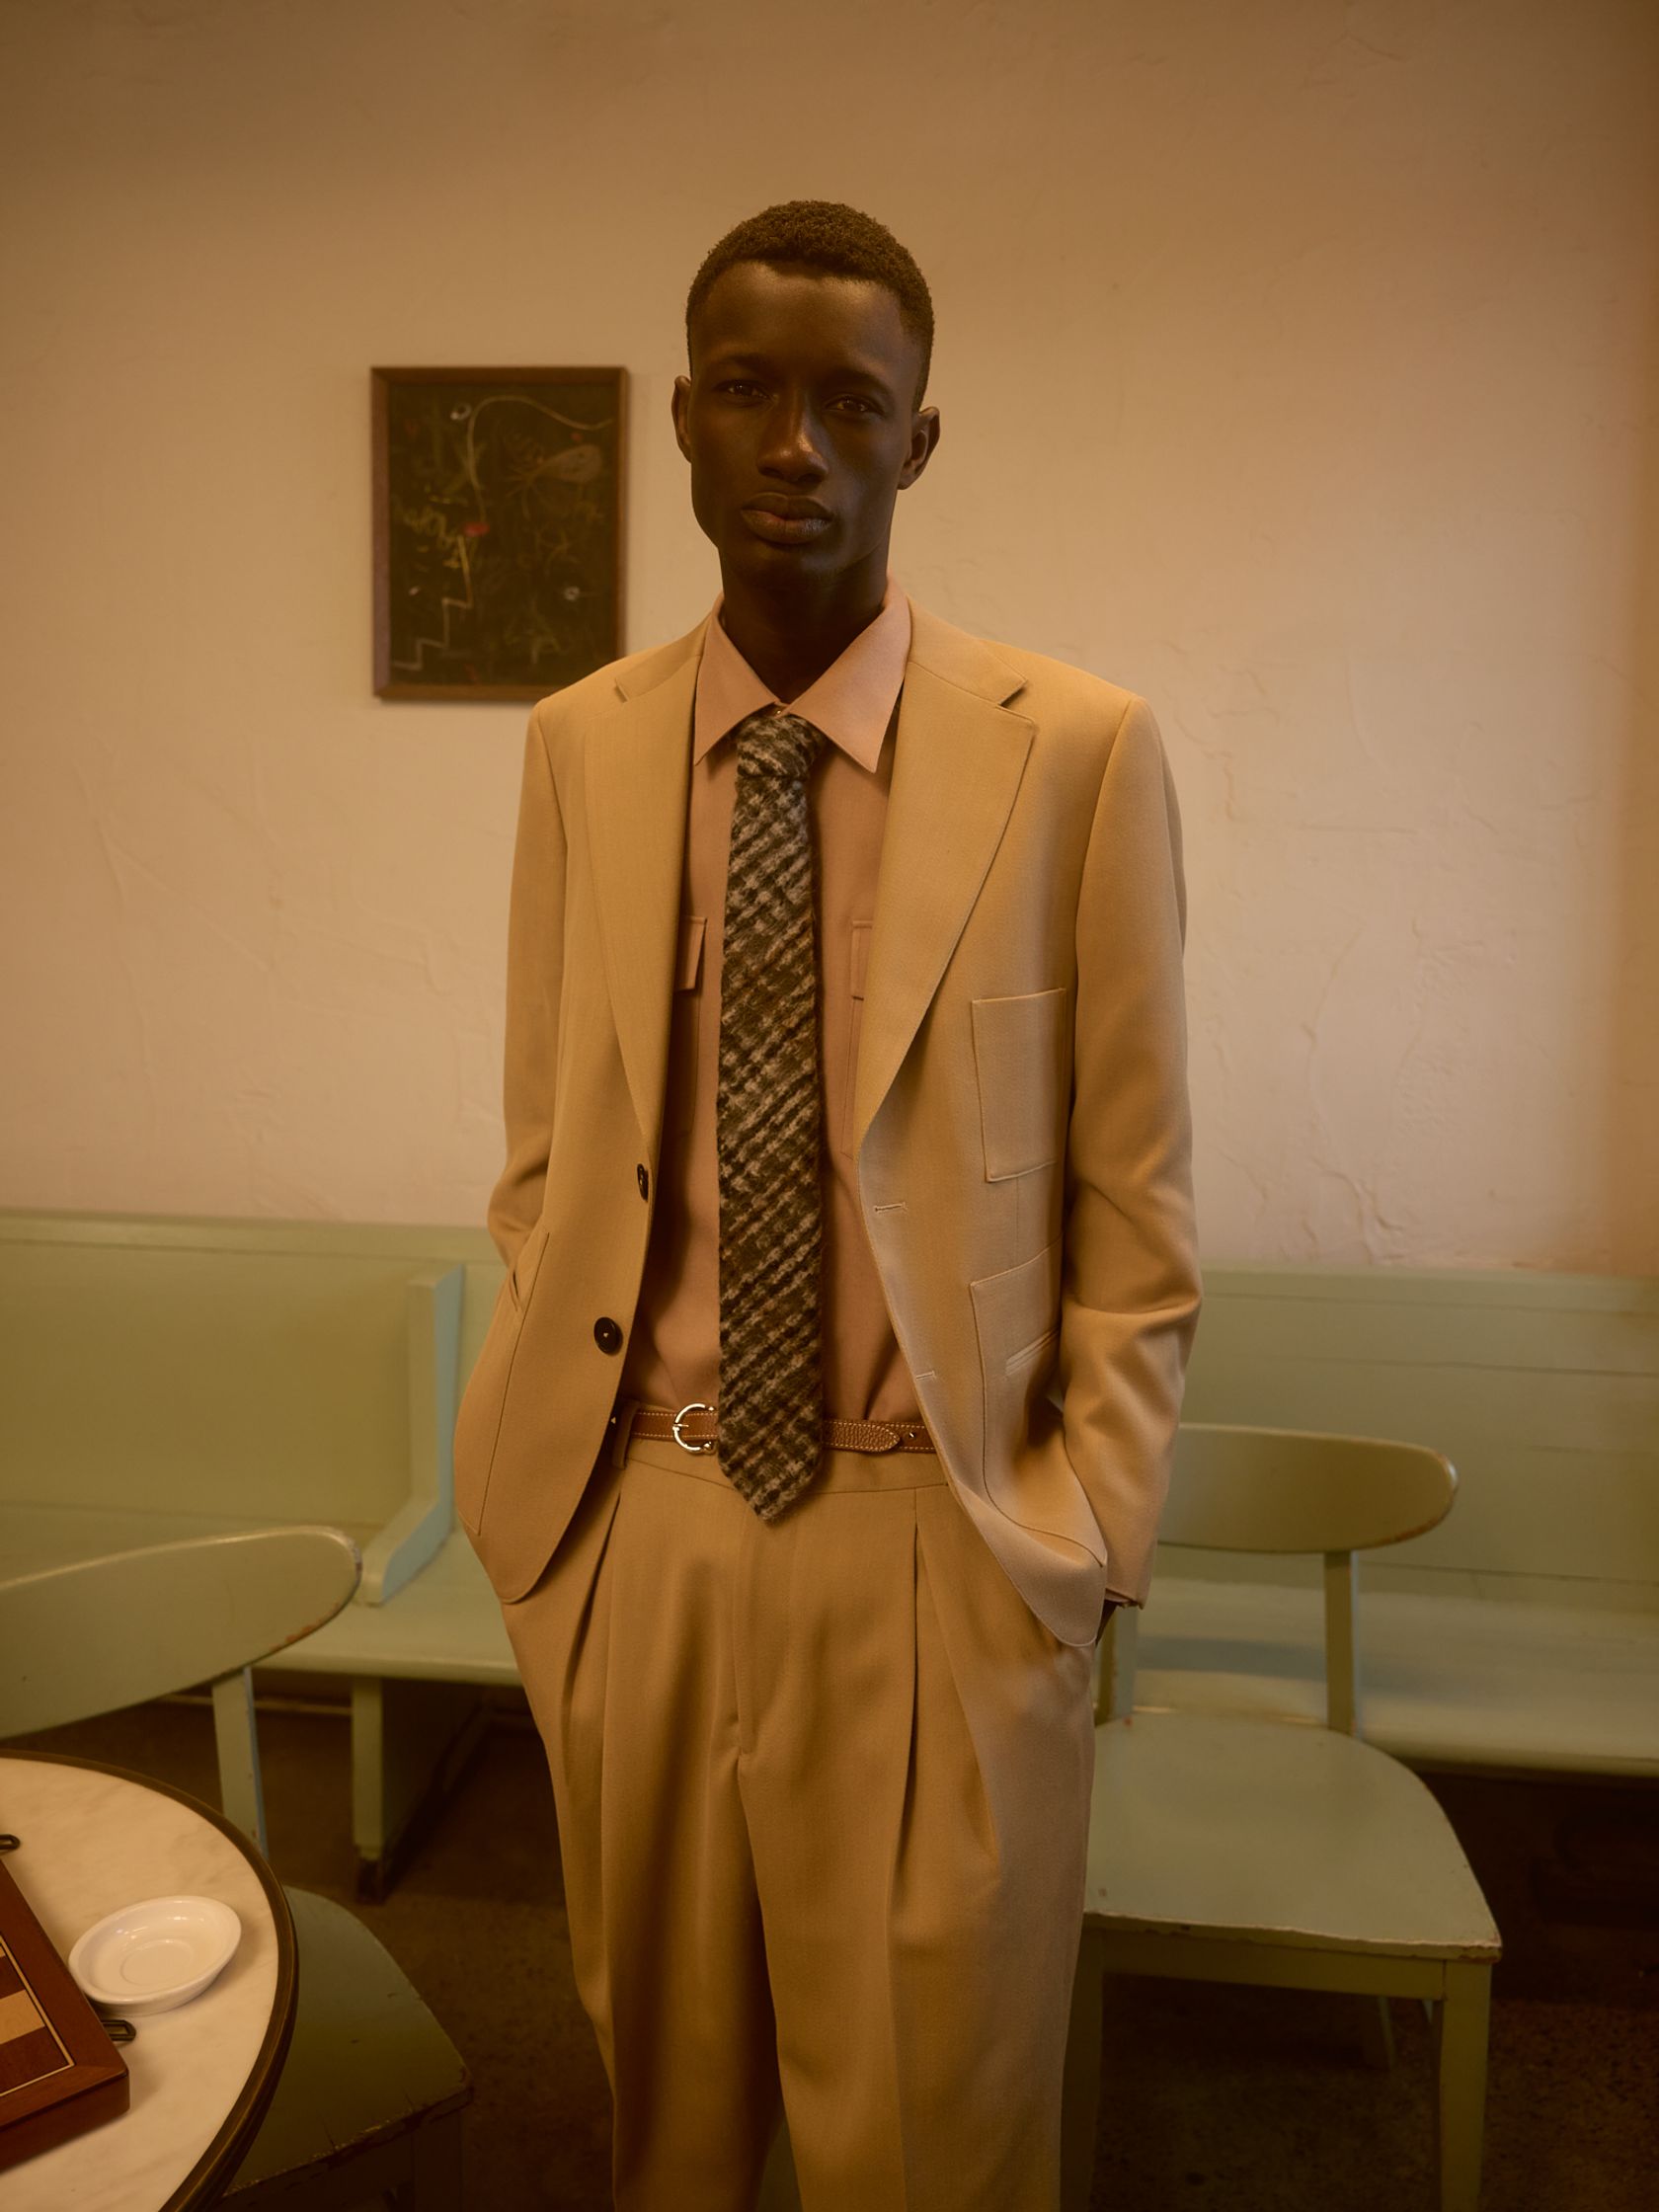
[738, 389]
[855, 403]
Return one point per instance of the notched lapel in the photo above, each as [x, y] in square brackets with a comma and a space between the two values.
[959, 757]
[637, 763]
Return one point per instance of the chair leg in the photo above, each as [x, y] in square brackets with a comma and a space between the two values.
[1376, 2033]
[435, 2185]
[236, 1734]
[1080, 2087]
[1461, 2042]
[408, 1743]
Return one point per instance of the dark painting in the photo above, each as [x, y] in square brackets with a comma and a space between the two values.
[498, 530]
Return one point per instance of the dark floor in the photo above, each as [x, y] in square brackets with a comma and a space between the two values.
[1216, 2099]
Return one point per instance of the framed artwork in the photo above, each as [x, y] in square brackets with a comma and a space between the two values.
[498, 530]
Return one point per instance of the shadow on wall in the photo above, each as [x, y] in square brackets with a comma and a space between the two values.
[1632, 1151]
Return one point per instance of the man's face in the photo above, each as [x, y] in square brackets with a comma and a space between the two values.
[800, 423]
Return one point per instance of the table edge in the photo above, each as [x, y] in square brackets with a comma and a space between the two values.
[224, 2153]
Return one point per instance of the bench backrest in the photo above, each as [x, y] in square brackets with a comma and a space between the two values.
[144, 1358]
[256, 1370]
[1543, 1390]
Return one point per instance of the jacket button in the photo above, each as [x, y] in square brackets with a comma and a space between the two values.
[644, 1180]
[606, 1336]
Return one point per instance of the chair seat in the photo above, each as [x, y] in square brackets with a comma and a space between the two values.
[1275, 1833]
[367, 2063]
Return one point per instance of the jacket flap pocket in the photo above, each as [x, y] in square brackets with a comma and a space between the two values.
[520, 1280]
[1016, 1309]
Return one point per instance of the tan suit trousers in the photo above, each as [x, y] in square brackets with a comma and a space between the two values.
[823, 1794]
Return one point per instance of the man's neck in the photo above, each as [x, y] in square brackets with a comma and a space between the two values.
[790, 641]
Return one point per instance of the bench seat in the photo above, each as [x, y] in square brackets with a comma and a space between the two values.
[443, 1627]
[1446, 1681]
[1457, 1681]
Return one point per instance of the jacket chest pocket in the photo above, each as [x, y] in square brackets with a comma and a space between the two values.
[860, 959]
[1021, 1052]
[686, 1024]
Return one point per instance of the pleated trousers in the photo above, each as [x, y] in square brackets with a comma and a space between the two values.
[823, 1794]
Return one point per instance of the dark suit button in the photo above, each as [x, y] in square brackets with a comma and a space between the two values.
[644, 1180]
[606, 1336]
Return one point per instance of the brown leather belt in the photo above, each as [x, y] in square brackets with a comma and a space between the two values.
[695, 1428]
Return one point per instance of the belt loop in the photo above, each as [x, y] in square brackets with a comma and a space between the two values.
[622, 1429]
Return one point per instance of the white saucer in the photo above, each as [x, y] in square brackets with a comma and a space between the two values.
[150, 1956]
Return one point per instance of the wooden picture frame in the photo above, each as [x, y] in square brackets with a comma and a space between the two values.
[498, 530]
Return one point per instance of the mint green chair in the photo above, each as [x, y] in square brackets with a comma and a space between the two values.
[371, 2091]
[1272, 1852]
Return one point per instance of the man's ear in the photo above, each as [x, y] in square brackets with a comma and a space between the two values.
[924, 435]
[680, 402]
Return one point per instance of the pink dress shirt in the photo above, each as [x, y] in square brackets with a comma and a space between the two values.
[673, 1354]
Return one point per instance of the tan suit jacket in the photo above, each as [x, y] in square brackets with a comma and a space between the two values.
[1021, 1125]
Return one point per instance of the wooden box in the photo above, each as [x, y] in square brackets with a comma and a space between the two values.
[59, 2072]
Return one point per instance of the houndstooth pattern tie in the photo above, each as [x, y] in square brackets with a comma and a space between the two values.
[769, 1123]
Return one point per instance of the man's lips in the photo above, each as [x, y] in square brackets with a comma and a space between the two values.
[787, 523]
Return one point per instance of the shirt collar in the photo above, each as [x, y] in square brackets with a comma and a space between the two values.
[851, 703]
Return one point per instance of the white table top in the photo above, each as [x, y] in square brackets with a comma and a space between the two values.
[92, 1841]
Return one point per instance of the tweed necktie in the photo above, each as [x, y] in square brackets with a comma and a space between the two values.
[769, 1123]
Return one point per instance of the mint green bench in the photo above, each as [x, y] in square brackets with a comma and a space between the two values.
[176, 1377]
[1523, 1631]
[164, 1379]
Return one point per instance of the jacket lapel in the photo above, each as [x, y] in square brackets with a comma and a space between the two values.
[957, 765]
[637, 763]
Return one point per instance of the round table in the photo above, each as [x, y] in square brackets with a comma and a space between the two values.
[90, 1840]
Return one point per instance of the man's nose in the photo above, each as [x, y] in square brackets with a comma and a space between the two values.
[789, 447]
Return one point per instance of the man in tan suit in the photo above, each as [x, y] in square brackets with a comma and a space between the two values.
[819, 1726]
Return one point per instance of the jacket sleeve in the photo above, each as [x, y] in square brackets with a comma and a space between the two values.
[1130, 1286]
[536, 940]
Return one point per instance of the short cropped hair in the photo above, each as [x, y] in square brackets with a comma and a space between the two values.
[830, 239]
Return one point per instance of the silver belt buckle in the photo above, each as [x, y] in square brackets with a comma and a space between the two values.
[696, 1406]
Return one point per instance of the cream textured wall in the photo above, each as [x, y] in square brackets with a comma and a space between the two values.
[1298, 368]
